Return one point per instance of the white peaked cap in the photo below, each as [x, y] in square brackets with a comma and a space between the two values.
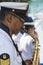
[32, 23]
[15, 5]
[29, 23]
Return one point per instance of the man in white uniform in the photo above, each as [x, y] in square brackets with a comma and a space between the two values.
[26, 42]
[12, 22]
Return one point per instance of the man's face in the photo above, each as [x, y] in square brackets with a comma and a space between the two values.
[17, 24]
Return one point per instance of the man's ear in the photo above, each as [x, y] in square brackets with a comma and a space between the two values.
[9, 18]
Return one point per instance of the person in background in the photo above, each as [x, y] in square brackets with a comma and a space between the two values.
[26, 42]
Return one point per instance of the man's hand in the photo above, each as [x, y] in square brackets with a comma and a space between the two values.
[28, 62]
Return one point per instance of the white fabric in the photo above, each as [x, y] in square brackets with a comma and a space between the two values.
[15, 5]
[17, 38]
[26, 46]
[6, 46]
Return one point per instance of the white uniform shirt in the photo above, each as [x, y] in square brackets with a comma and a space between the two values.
[26, 46]
[16, 39]
[6, 46]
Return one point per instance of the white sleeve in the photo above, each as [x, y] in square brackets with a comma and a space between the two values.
[28, 52]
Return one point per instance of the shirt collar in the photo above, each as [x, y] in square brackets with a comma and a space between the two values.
[4, 27]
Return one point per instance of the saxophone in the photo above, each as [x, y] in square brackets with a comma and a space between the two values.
[35, 56]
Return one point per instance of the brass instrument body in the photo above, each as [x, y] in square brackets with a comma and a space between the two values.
[35, 60]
